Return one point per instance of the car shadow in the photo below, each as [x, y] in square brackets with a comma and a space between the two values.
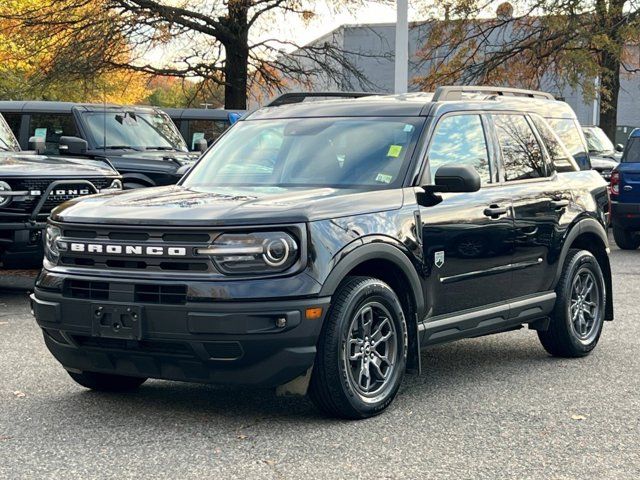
[453, 368]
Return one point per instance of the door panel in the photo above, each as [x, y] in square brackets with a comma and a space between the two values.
[467, 252]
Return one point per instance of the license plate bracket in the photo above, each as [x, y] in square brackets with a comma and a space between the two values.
[117, 321]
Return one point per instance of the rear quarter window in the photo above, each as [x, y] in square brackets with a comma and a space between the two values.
[632, 152]
[569, 132]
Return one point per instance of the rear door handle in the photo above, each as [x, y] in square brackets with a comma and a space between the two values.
[558, 204]
[495, 211]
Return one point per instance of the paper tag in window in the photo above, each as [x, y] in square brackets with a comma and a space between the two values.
[196, 136]
[394, 151]
[384, 178]
[40, 132]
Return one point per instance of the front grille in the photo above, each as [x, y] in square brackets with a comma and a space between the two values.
[144, 346]
[156, 294]
[163, 294]
[139, 237]
[27, 204]
[87, 289]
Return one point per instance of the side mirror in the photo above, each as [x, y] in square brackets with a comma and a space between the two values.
[73, 145]
[200, 145]
[37, 144]
[619, 148]
[455, 178]
[183, 170]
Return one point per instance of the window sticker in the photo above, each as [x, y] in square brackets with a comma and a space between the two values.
[384, 178]
[394, 151]
[196, 136]
[40, 132]
[408, 128]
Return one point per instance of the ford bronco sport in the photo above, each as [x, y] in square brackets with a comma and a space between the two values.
[318, 246]
[30, 186]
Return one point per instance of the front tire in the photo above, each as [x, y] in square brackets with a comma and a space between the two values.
[362, 351]
[104, 382]
[625, 239]
[578, 316]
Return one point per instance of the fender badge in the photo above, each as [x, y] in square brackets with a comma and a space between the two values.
[438, 259]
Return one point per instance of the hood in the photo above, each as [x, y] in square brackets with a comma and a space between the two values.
[21, 164]
[167, 161]
[603, 163]
[177, 205]
[610, 156]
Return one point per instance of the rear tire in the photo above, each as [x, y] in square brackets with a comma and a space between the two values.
[626, 239]
[362, 351]
[578, 315]
[104, 382]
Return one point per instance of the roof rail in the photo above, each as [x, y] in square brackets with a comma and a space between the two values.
[456, 92]
[299, 97]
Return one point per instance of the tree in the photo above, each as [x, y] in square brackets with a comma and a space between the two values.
[41, 63]
[218, 41]
[572, 41]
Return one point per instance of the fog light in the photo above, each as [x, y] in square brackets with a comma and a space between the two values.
[281, 322]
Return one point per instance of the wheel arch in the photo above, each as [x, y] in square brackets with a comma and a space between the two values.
[392, 265]
[588, 234]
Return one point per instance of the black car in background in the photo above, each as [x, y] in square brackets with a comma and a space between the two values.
[604, 155]
[196, 124]
[142, 143]
[31, 185]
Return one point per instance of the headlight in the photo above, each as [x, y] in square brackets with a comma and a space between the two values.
[253, 253]
[6, 200]
[52, 244]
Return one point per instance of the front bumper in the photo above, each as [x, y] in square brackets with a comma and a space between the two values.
[217, 342]
[625, 215]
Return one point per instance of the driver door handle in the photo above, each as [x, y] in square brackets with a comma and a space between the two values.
[495, 211]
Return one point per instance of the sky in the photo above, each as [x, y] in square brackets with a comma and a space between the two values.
[294, 28]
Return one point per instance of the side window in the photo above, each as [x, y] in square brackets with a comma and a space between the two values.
[521, 153]
[567, 130]
[460, 139]
[52, 126]
[210, 130]
[14, 120]
[560, 156]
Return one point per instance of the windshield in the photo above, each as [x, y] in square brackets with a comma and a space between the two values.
[332, 152]
[135, 130]
[597, 140]
[8, 142]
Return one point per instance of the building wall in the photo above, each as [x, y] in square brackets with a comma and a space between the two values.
[371, 48]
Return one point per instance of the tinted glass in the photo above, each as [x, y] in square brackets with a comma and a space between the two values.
[336, 152]
[598, 141]
[52, 126]
[632, 152]
[8, 141]
[14, 120]
[460, 139]
[129, 129]
[210, 130]
[568, 131]
[560, 156]
[521, 153]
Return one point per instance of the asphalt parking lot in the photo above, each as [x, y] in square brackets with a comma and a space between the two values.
[494, 407]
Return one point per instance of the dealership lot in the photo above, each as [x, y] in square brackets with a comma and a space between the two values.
[493, 407]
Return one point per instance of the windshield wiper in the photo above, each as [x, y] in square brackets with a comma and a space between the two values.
[160, 148]
[120, 147]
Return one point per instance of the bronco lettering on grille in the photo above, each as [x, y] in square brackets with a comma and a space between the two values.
[128, 250]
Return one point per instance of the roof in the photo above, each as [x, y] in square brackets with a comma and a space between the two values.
[413, 105]
[199, 113]
[62, 107]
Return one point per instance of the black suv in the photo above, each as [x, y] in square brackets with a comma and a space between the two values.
[30, 187]
[323, 244]
[142, 143]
